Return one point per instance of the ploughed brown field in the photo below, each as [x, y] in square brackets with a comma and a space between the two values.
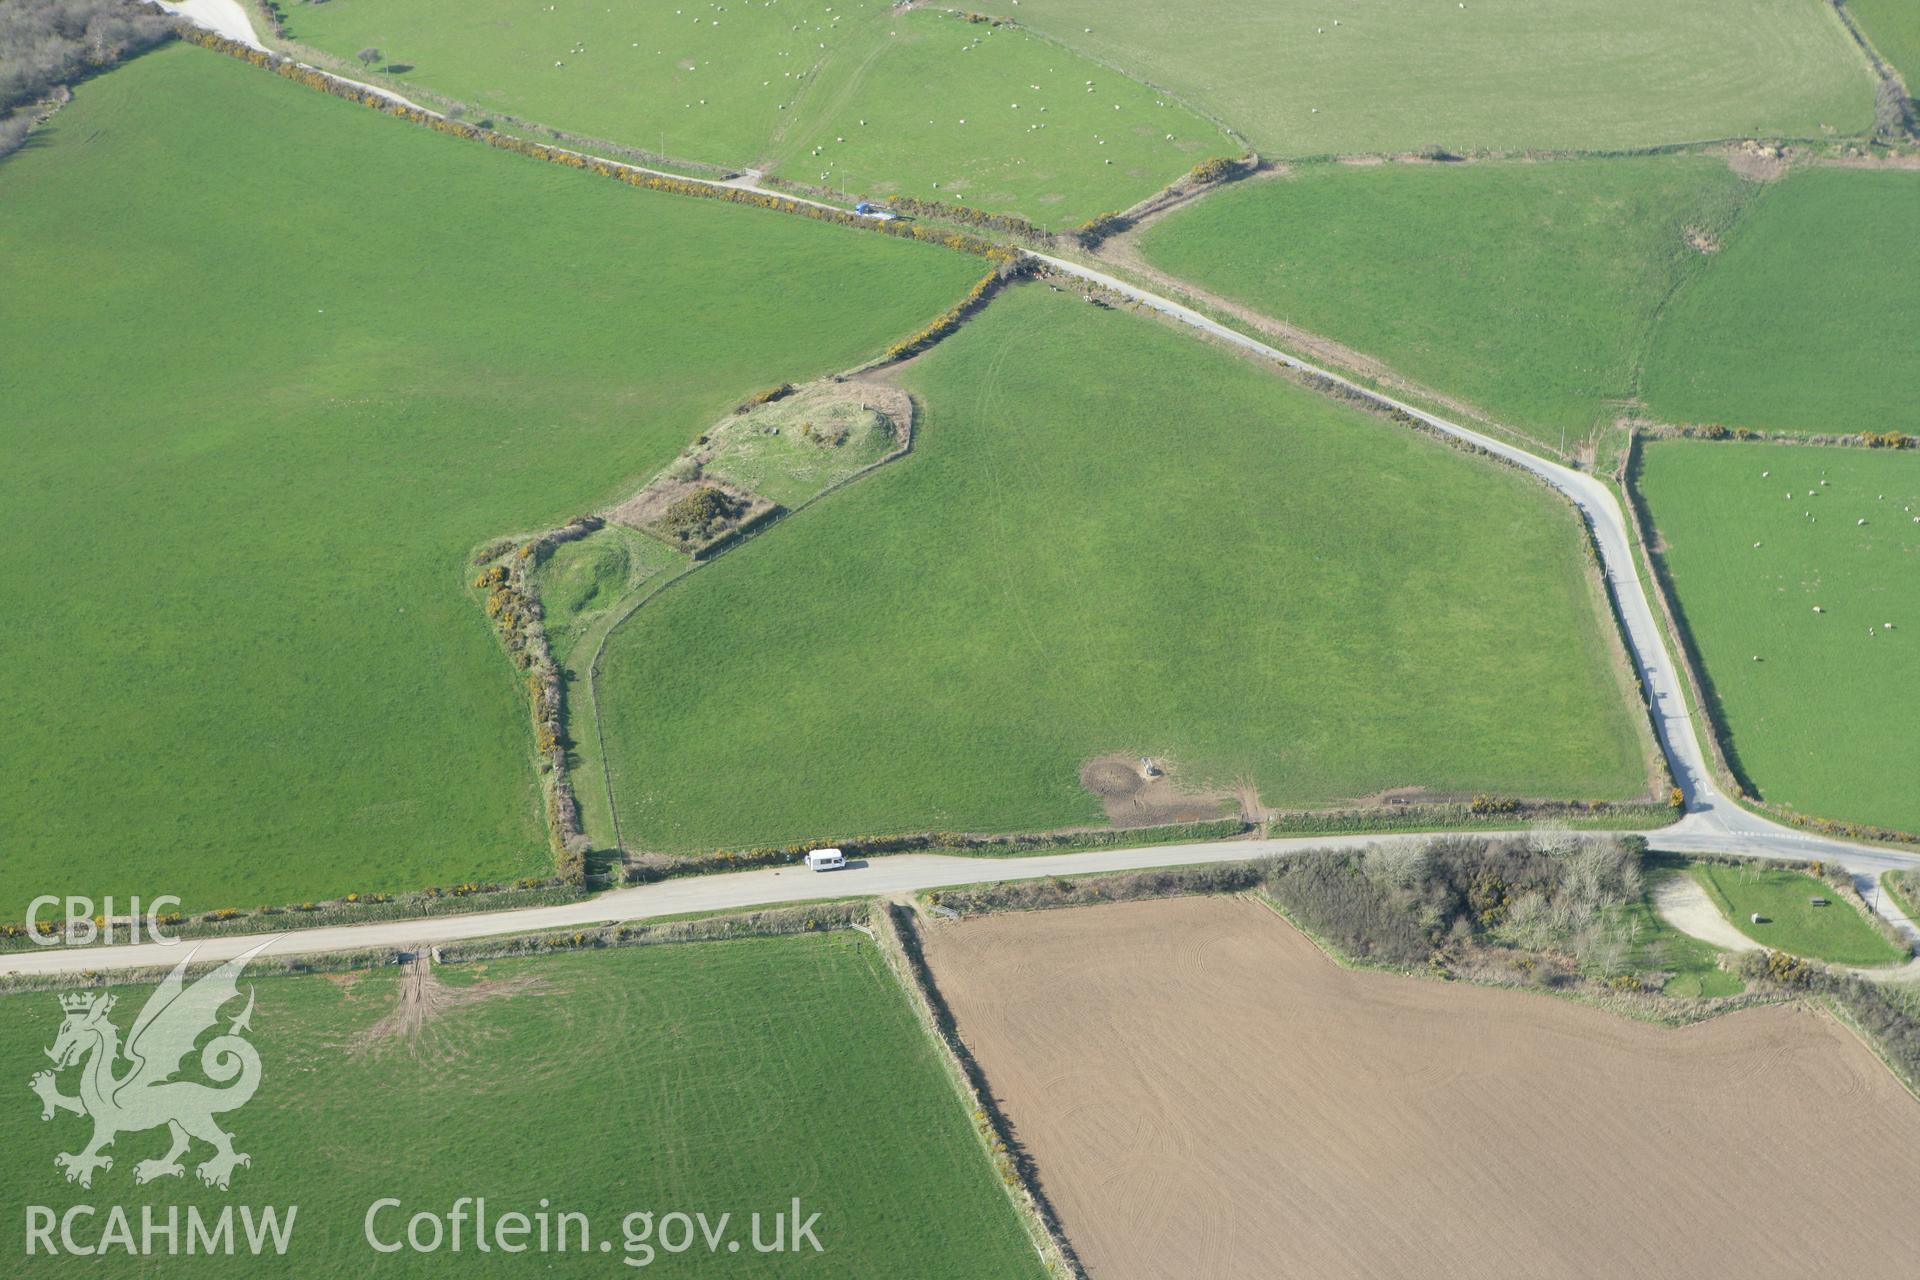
[1207, 1094]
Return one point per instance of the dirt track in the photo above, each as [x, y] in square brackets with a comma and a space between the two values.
[1207, 1094]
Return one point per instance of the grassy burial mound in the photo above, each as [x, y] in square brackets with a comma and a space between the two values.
[1154, 1056]
[1112, 539]
[1799, 914]
[716, 1078]
[1785, 596]
[260, 436]
[1319, 77]
[1805, 320]
[780, 449]
[857, 96]
[1524, 289]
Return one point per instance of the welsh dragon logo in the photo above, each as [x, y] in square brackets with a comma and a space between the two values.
[142, 1093]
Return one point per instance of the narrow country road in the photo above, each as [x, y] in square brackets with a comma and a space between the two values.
[1713, 823]
[741, 890]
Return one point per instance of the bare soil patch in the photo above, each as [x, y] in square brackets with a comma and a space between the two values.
[1682, 903]
[1133, 799]
[424, 1000]
[1701, 240]
[1756, 163]
[1206, 1093]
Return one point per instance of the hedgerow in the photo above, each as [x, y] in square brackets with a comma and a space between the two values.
[632, 176]
[1090, 233]
[1006, 267]
[656, 866]
[1889, 1017]
[774, 922]
[1218, 169]
[1007, 223]
[514, 606]
[351, 908]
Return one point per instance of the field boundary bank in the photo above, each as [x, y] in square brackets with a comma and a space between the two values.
[765, 922]
[1357, 367]
[1009, 266]
[1019, 1172]
[1716, 433]
[1892, 103]
[650, 868]
[352, 909]
[266, 15]
[1692, 666]
[855, 914]
[504, 567]
[632, 174]
[1334, 387]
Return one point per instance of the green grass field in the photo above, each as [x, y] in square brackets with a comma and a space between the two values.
[581, 581]
[1835, 933]
[1318, 77]
[1693, 963]
[699, 1077]
[253, 440]
[1112, 538]
[1525, 289]
[1823, 721]
[1894, 28]
[856, 96]
[1804, 320]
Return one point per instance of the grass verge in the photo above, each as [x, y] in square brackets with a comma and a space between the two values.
[1835, 932]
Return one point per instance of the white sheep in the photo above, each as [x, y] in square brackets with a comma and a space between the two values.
[1818, 609]
[1860, 521]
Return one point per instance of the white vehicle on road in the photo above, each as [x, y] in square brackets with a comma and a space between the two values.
[826, 860]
